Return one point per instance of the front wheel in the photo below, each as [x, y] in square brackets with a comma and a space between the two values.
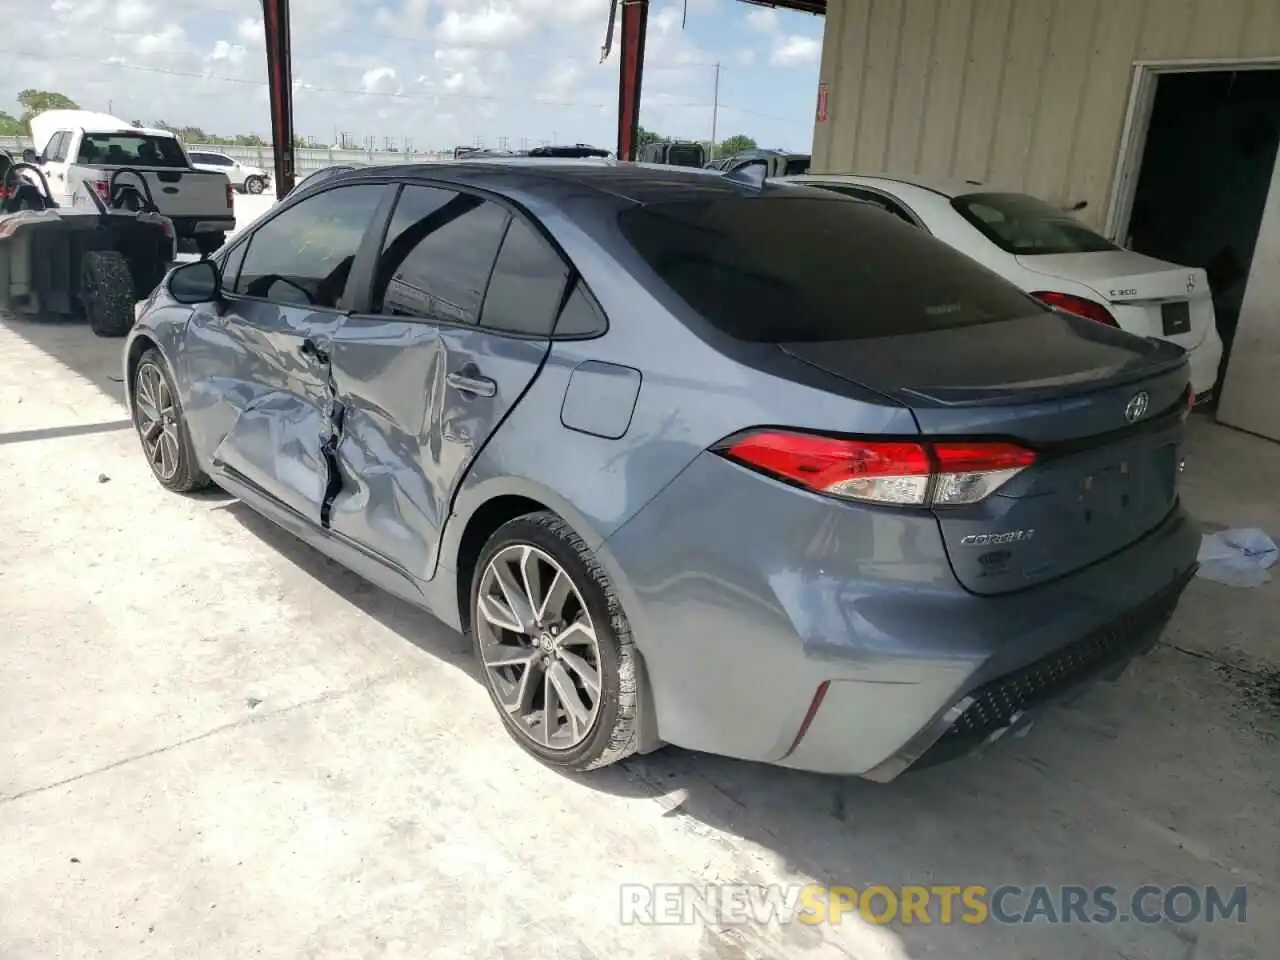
[254, 185]
[554, 645]
[157, 416]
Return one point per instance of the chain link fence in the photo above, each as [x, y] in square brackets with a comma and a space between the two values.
[306, 159]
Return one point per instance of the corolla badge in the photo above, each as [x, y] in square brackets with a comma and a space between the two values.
[986, 539]
[1137, 406]
[1191, 283]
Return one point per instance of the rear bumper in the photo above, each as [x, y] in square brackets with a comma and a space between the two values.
[985, 713]
[1204, 361]
[748, 607]
[193, 226]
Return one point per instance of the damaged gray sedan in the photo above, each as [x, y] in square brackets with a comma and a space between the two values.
[752, 469]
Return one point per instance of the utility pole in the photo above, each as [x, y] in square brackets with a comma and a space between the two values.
[715, 109]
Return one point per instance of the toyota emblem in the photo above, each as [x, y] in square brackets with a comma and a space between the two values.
[1191, 283]
[1137, 406]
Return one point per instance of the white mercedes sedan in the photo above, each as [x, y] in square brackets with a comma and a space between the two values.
[1055, 258]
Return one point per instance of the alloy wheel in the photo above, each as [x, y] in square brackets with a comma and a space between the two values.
[538, 646]
[156, 417]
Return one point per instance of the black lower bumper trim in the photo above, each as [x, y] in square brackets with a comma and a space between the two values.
[1001, 704]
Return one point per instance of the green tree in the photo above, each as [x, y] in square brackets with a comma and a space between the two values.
[10, 126]
[735, 144]
[645, 137]
[38, 101]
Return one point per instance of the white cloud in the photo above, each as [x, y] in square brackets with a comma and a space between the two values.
[380, 80]
[440, 72]
[250, 31]
[493, 26]
[762, 20]
[226, 54]
[796, 51]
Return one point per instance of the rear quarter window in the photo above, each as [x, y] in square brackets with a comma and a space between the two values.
[807, 269]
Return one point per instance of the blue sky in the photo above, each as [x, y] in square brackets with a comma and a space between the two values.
[438, 72]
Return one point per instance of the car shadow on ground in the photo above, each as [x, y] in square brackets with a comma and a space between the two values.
[98, 360]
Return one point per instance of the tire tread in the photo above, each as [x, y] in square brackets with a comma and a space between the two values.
[623, 739]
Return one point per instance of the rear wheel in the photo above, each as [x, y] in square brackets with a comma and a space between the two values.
[555, 645]
[254, 185]
[157, 415]
[106, 292]
[208, 243]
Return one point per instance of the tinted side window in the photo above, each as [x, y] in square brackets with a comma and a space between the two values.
[58, 147]
[527, 285]
[304, 255]
[581, 317]
[437, 255]
[200, 158]
[783, 268]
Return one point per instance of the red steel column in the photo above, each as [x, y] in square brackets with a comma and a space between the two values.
[275, 19]
[635, 22]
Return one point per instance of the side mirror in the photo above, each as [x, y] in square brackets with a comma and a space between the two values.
[197, 282]
[30, 156]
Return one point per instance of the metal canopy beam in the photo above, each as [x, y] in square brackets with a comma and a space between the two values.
[635, 24]
[275, 20]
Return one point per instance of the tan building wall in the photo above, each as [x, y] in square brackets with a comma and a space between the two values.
[1024, 94]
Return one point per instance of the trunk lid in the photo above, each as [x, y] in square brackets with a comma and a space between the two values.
[177, 192]
[1149, 297]
[1103, 478]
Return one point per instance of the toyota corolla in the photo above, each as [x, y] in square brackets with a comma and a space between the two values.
[752, 469]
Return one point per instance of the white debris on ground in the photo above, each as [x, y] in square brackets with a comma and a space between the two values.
[1237, 557]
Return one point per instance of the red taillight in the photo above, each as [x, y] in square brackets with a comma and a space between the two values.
[231, 197]
[1076, 305]
[100, 187]
[895, 472]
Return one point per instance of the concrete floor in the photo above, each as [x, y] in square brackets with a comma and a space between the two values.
[216, 743]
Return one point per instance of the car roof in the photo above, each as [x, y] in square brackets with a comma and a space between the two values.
[640, 183]
[943, 186]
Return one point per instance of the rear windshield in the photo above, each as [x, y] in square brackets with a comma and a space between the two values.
[130, 149]
[684, 155]
[778, 269]
[1020, 224]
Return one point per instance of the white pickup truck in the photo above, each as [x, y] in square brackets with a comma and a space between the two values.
[75, 147]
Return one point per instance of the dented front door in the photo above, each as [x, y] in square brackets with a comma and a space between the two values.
[262, 393]
[258, 361]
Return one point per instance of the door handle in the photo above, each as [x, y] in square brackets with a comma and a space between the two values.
[480, 386]
[310, 348]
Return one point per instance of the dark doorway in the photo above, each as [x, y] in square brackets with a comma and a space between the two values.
[1206, 168]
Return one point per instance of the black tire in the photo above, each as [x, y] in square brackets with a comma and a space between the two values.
[208, 243]
[254, 185]
[614, 733]
[106, 292]
[185, 476]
